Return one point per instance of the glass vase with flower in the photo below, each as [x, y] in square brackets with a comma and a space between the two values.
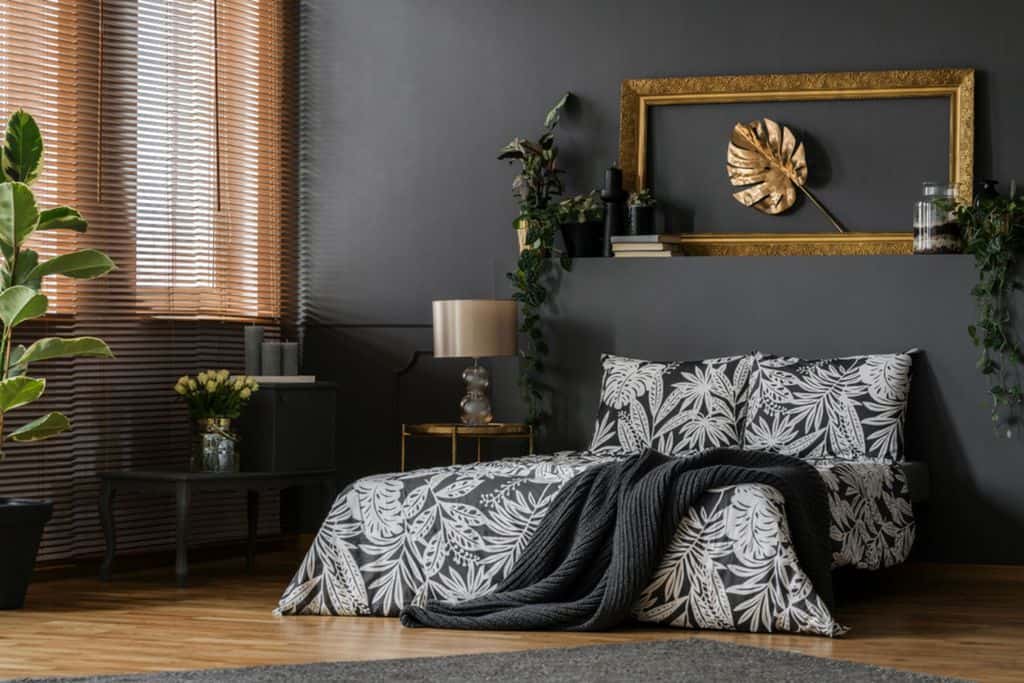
[215, 398]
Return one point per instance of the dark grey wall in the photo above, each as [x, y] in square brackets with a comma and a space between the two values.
[409, 101]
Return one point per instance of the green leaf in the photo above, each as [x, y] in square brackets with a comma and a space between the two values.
[20, 303]
[41, 428]
[84, 264]
[28, 259]
[62, 218]
[17, 391]
[56, 347]
[551, 120]
[18, 213]
[16, 353]
[23, 149]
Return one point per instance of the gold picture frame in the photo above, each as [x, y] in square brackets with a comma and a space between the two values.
[639, 95]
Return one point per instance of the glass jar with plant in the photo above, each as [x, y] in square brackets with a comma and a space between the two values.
[993, 232]
[215, 398]
[641, 212]
[581, 219]
[21, 300]
[538, 182]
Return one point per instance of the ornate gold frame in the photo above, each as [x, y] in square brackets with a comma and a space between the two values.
[639, 95]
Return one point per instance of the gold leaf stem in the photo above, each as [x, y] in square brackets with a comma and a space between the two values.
[825, 211]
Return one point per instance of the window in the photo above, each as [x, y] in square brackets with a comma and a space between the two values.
[211, 79]
[34, 75]
[170, 124]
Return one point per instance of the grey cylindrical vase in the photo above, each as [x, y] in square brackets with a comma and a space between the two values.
[289, 358]
[271, 352]
[253, 340]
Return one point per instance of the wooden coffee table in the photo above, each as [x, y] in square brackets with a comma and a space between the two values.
[182, 485]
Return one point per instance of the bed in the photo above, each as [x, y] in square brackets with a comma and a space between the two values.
[452, 533]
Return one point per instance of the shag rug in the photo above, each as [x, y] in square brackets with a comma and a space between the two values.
[693, 659]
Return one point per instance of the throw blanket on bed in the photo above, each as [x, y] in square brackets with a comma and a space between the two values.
[596, 549]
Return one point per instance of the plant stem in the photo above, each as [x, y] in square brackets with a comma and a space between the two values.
[825, 211]
[7, 339]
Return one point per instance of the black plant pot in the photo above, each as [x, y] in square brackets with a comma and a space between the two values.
[21, 527]
[583, 239]
[641, 220]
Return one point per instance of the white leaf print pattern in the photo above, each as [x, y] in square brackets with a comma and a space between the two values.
[845, 408]
[886, 377]
[680, 408]
[730, 563]
[627, 381]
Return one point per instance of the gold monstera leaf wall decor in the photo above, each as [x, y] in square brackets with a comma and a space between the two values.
[768, 162]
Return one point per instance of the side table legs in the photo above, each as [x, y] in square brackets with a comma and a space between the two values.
[183, 496]
[109, 536]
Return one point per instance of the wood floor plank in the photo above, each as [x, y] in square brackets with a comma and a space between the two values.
[965, 621]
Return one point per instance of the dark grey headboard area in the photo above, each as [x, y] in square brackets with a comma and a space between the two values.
[812, 307]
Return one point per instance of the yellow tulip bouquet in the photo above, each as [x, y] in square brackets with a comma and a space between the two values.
[215, 393]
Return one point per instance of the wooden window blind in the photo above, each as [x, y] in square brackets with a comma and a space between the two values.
[170, 124]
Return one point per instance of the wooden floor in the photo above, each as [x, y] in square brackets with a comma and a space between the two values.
[958, 621]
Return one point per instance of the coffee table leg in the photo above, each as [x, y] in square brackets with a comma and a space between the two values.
[252, 507]
[109, 535]
[184, 495]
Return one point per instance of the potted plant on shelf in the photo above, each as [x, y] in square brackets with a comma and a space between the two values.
[538, 182]
[21, 300]
[581, 220]
[993, 231]
[641, 213]
[215, 398]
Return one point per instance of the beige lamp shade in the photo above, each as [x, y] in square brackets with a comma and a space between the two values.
[475, 328]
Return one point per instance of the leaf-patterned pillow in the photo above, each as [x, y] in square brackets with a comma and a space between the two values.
[677, 408]
[843, 408]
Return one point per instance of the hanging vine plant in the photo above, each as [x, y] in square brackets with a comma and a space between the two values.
[536, 185]
[993, 229]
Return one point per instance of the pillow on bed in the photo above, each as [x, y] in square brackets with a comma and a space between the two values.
[843, 408]
[677, 408]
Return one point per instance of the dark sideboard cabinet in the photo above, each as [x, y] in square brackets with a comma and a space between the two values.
[291, 427]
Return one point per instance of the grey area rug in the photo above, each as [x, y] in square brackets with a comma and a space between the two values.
[694, 659]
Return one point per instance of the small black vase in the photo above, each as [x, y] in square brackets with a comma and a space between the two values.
[641, 220]
[21, 527]
[583, 239]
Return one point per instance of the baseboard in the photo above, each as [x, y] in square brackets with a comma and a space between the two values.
[208, 552]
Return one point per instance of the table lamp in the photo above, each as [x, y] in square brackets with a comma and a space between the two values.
[475, 328]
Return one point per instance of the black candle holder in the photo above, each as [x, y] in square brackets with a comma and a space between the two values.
[614, 198]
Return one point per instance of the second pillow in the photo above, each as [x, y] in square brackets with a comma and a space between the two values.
[848, 408]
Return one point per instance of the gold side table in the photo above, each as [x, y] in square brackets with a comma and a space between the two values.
[456, 430]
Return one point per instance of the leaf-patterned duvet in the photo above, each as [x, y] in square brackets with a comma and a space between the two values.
[451, 533]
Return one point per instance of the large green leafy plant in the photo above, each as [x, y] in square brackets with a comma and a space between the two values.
[21, 278]
[535, 187]
[993, 230]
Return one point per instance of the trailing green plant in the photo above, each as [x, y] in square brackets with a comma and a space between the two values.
[21, 280]
[536, 185]
[642, 198]
[993, 230]
[583, 208]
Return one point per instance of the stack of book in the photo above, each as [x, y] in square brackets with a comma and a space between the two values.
[646, 246]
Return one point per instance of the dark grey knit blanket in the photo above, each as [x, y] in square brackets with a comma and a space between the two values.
[600, 543]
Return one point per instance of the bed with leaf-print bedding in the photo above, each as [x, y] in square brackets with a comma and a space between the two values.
[452, 533]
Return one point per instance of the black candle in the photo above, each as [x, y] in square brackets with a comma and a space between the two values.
[613, 179]
[614, 198]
